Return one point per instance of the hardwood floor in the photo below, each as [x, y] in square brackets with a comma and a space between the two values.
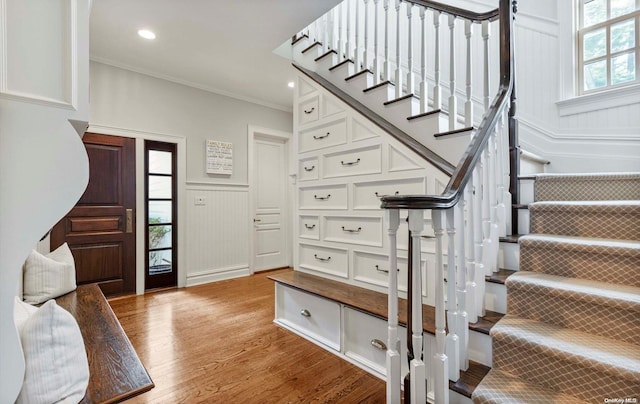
[217, 343]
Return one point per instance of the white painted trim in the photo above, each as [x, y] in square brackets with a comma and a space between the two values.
[612, 98]
[287, 137]
[216, 187]
[140, 137]
[566, 49]
[582, 134]
[217, 274]
[187, 83]
[71, 86]
[217, 183]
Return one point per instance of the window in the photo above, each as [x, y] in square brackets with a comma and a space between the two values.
[160, 188]
[608, 50]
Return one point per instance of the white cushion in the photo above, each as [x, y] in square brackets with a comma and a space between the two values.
[56, 366]
[50, 276]
[21, 313]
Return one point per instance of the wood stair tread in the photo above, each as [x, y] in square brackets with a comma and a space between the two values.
[369, 301]
[499, 277]
[399, 99]
[298, 39]
[329, 52]
[424, 114]
[308, 48]
[511, 238]
[454, 132]
[360, 73]
[381, 84]
[340, 64]
[469, 379]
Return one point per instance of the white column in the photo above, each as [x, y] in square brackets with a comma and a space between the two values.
[410, 79]
[398, 76]
[486, 33]
[453, 341]
[387, 64]
[358, 49]
[394, 375]
[424, 91]
[341, 51]
[453, 105]
[461, 285]
[416, 367]
[365, 54]
[468, 105]
[440, 360]
[437, 90]
[349, 42]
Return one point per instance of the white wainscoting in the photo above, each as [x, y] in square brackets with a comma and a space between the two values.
[217, 239]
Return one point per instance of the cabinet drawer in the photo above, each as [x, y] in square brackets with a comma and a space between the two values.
[365, 340]
[354, 230]
[353, 162]
[323, 197]
[367, 194]
[313, 316]
[331, 134]
[332, 261]
[308, 169]
[308, 111]
[309, 227]
[374, 269]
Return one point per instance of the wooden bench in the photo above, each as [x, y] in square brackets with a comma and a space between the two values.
[115, 371]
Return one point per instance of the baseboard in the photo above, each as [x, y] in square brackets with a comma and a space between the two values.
[217, 274]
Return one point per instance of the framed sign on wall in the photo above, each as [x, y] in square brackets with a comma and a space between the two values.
[219, 157]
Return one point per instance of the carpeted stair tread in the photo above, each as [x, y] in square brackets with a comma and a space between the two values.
[618, 219]
[598, 308]
[606, 355]
[592, 186]
[582, 258]
[502, 388]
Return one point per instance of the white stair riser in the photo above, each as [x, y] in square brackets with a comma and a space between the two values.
[364, 80]
[496, 297]
[523, 221]
[480, 349]
[509, 256]
[526, 191]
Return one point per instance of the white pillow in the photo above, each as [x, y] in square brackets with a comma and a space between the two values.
[21, 313]
[56, 366]
[50, 276]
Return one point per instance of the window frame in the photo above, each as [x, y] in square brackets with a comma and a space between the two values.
[608, 56]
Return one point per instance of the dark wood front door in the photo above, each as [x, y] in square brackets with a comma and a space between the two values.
[100, 229]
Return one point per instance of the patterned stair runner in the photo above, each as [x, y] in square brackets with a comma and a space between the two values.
[572, 329]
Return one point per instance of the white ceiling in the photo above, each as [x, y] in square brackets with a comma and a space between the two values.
[223, 46]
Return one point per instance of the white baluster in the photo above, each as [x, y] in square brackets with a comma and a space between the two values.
[500, 180]
[461, 286]
[453, 341]
[340, 47]
[472, 312]
[440, 360]
[387, 55]
[453, 105]
[398, 76]
[504, 137]
[325, 33]
[477, 241]
[332, 30]
[358, 50]
[349, 42]
[417, 366]
[493, 197]
[424, 91]
[410, 78]
[365, 54]
[316, 31]
[486, 33]
[486, 212]
[437, 90]
[376, 46]
[468, 105]
[393, 341]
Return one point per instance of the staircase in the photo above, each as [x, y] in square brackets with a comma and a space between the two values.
[573, 320]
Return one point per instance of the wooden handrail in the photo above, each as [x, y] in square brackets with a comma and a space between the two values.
[464, 170]
[490, 15]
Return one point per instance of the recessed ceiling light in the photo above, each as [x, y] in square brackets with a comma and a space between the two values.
[146, 34]
[291, 84]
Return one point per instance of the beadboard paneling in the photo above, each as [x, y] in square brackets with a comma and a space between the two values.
[217, 233]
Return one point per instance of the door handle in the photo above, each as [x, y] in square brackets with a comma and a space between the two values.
[256, 220]
[129, 221]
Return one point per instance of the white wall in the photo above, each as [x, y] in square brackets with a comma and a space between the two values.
[216, 235]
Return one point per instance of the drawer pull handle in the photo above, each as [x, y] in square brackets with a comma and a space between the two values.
[307, 169]
[321, 259]
[322, 198]
[310, 227]
[382, 196]
[352, 230]
[376, 343]
[350, 163]
[386, 271]
[305, 313]
[321, 137]
[308, 111]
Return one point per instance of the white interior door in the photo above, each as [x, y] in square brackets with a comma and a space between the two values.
[270, 199]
